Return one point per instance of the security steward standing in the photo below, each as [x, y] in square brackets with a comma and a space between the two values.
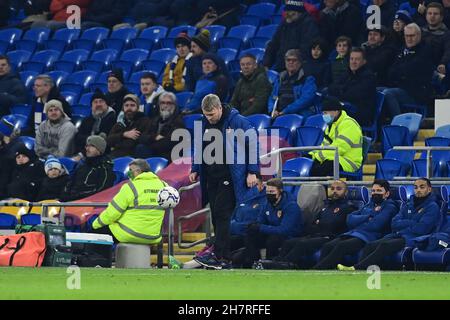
[342, 132]
[131, 216]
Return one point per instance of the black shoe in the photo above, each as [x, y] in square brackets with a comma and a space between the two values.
[274, 265]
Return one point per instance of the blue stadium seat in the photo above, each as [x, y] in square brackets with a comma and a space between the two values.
[83, 78]
[267, 31]
[276, 19]
[100, 60]
[163, 55]
[308, 136]
[410, 120]
[190, 119]
[58, 76]
[372, 130]
[85, 99]
[72, 57]
[404, 156]
[439, 157]
[237, 36]
[216, 32]
[99, 86]
[419, 168]
[257, 52]
[96, 34]
[69, 163]
[259, 121]
[121, 164]
[10, 35]
[227, 54]
[126, 34]
[157, 163]
[42, 60]
[7, 221]
[18, 120]
[27, 141]
[316, 121]
[389, 168]
[258, 42]
[18, 57]
[290, 121]
[395, 136]
[281, 132]
[183, 98]
[300, 165]
[154, 66]
[263, 10]
[359, 196]
[134, 56]
[116, 44]
[30, 219]
[81, 110]
[286, 174]
[250, 20]
[272, 75]
[120, 176]
[3, 47]
[33, 39]
[149, 36]
[27, 78]
[24, 109]
[443, 131]
[191, 30]
[167, 43]
[62, 38]
[71, 97]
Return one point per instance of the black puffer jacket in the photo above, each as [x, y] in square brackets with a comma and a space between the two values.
[12, 91]
[26, 180]
[53, 188]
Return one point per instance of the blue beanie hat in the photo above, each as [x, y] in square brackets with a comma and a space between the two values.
[404, 16]
[52, 163]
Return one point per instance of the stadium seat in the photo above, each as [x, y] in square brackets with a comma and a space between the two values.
[71, 97]
[85, 99]
[7, 221]
[183, 98]
[121, 164]
[282, 132]
[292, 189]
[3, 47]
[258, 42]
[216, 32]
[154, 66]
[308, 136]
[227, 54]
[78, 81]
[100, 60]
[410, 120]
[126, 34]
[58, 76]
[163, 55]
[272, 75]
[24, 109]
[133, 56]
[19, 121]
[404, 156]
[389, 168]
[439, 157]
[81, 110]
[259, 121]
[69, 163]
[257, 52]
[250, 20]
[149, 36]
[96, 34]
[443, 131]
[267, 31]
[18, 57]
[191, 30]
[27, 141]
[190, 119]
[167, 43]
[316, 121]
[359, 196]
[74, 57]
[30, 219]
[62, 38]
[10, 35]
[41, 60]
[395, 136]
[263, 10]
[300, 165]
[372, 130]
[237, 36]
[157, 163]
[290, 121]
[27, 78]
[33, 39]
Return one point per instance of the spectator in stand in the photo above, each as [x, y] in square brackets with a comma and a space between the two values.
[379, 54]
[44, 91]
[60, 15]
[436, 35]
[99, 122]
[368, 224]
[297, 31]
[12, 90]
[252, 89]
[214, 80]
[116, 90]
[54, 184]
[149, 12]
[446, 4]
[280, 219]
[104, 13]
[126, 133]
[150, 90]
[93, 174]
[200, 45]
[419, 217]
[27, 175]
[388, 9]
[401, 19]
[6, 161]
[341, 18]
[175, 71]
[339, 65]
[317, 63]
[409, 77]
[55, 136]
[293, 92]
[358, 87]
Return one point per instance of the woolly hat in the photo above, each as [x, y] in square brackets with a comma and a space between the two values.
[55, 104]
[118, 74]
[203, 40]
[133, 98]
[404, 16]
[183, 38]
[23, 150]
[7, 124]
[331, 103]
[98, 142]
[53, 163]
[98, 94]
[294, 5]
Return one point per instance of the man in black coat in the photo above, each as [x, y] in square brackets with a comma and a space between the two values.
[116, 90]
[387, 10]
[105, 13]
[358, 87]
[6, 167]
[409, 77]
[12, 90]
[297, 31]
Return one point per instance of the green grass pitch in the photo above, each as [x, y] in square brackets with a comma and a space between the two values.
[164, 284]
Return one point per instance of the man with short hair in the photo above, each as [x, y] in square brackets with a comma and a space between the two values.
[358, 87]
[342, 132]
[150, 90]
[12, 90]
[99, 122]
[116, 90]
[297, 30]
[253, 89]
[134, 224]
[55, 136]
[366, 225]
[125, 134]
[419, 217]
[293, 92]
[156, 141]
[93, 174]
[223, 183]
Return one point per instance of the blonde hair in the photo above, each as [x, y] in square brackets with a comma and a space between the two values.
[210, 102]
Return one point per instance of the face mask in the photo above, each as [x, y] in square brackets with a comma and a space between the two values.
[271, 198]
[377, 199]
[327, 118]
[130, 175]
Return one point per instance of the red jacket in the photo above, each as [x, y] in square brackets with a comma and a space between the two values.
[58, 8]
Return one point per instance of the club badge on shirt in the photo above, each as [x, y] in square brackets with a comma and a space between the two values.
[377, 208]
[256, 205]
[279, 213]
[336, 210]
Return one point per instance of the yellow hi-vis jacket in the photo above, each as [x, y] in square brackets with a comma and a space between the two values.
[346, 134]
[130, 215]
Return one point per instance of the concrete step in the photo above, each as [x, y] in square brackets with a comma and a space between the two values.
[424, 133]
[373, 157]
[369, 169]
[368, 177]
[193, 236]
[419, 143]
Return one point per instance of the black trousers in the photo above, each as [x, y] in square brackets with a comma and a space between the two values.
[374, 252]
[293, 250]
[333, 252]
[254, 242]
[322, 169]
[222, 201]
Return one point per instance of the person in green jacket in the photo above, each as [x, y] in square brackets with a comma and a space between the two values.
[253, 88]
[342, 132]
[133, 215]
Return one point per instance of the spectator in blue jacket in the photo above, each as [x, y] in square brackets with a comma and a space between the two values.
[293, 92]
[366, 225]
[419, 217]
[227, 171]
[280, 219]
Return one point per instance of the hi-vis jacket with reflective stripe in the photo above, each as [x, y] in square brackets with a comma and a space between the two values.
[345, 133]
[130, 215]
